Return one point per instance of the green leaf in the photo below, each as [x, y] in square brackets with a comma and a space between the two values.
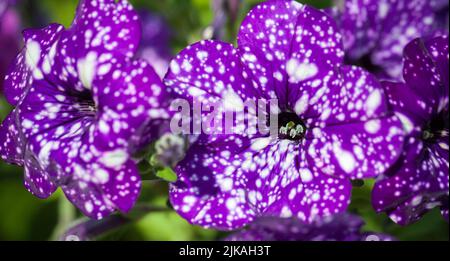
[5, 108]
[66, 215]
[60, 11]
[167, 174]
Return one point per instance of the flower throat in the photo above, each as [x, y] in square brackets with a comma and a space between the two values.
[290, 126]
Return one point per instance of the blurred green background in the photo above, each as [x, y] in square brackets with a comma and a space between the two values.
[24, 217]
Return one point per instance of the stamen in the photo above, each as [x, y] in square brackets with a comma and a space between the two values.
[86, 107]
[291, 127]
[427, 135]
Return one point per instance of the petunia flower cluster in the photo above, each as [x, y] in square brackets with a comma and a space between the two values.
[85, 108]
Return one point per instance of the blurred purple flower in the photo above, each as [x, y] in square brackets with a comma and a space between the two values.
[419, 180]
[441, 10]
[3, 6]
[342, 127]
[376, 31]
[340, 227]
[155, 42]
[9, 37]
[83, 108]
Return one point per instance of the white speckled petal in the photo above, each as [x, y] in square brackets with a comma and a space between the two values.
[418, 184]
[98, 191]
[210, 73]
[216, 189]
[36, 180]
[10, 150]
[282, 182]
[282, 47]
[209, 191]
[425, 69]
[357, 150]
[107, 25]
[202, 72]
[347, 95]
[29, 63]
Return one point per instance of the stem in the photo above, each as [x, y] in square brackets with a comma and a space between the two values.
[225, 13]
[87, 229]
[66, 215]
[220, 19]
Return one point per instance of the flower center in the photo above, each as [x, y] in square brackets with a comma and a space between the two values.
[290, 126]
[366, 62]
[437, 128]
[86, 105]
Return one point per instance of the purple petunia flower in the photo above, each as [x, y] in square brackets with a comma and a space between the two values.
[155, 43]
[83, 107]
[339, 227]
[378, 30]
[338, 114]
[418, 182]
[9, 37]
